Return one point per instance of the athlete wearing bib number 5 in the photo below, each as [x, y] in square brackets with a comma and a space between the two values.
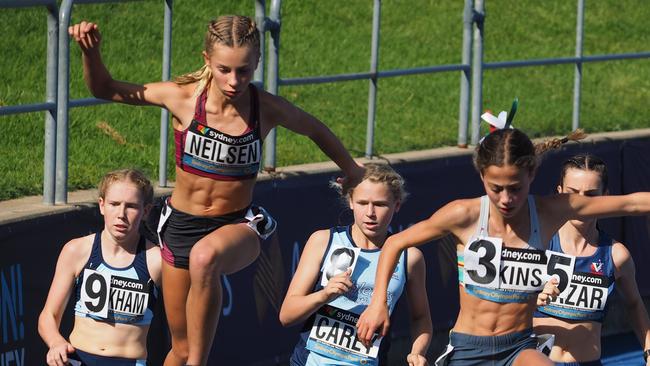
[113, 275]
[495, 331]
[576, 315]
[334, 280]
[209, 227]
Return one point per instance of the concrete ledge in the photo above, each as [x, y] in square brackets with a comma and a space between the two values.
[32, 207]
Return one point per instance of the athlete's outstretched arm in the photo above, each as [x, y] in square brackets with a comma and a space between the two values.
[418, 301]
[626, 285]
[295, 119]
[57, 299]
[101, 83]
[568, 206]
[448, 219]
[300, 302]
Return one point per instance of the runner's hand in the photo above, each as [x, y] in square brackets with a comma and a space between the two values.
[338, 285]
[414, 359]
[352, 178]
[549, 293]
[87, 35]
[57, 355]
[374, 318]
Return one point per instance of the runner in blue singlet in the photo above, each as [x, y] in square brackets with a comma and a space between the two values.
[575, 317]
[335, 279]
[114, 275]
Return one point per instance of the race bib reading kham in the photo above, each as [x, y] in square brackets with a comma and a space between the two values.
[487, 263]
[334, 334]
[102, 292]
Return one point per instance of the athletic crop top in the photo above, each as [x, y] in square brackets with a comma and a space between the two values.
[585, 298]
[329, 336]
[210, 153]
[116, 295]
[491, 271]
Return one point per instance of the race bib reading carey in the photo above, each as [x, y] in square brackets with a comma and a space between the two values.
[334, 334]
[123, 296]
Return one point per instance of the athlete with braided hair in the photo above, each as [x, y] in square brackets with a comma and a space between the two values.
[208, 227]
[500, 237]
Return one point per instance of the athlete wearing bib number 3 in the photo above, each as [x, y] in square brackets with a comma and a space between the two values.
[114, 275]
[576, 315]
[489, 332]
[335, 279]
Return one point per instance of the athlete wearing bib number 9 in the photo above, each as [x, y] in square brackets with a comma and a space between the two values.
[334, 281]
[494, 325]
[576, 315]
[114, 275]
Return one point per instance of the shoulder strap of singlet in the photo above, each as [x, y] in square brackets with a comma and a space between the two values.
[482, 229]
[534, 240]
[199, 109]
[95, 258]
[555, 244]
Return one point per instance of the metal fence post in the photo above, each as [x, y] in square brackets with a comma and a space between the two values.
[61, 190]
[272, 78]
[260, 19]
[49, 154]
[577, 80]
[372, 90]
[463, 109]
[477, 69]
[164, 113]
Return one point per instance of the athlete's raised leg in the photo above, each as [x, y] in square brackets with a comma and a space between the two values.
[226, 250]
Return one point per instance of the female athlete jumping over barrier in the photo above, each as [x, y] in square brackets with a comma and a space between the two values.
[114, 275]
[334, 280]
[575, 316]
[208, 227]
[501, 237]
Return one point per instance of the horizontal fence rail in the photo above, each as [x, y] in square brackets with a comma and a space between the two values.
[471, 69]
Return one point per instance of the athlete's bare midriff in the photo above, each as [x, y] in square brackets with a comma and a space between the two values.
[486, 318]
[202, 196]
[107, 339]
[574, 341]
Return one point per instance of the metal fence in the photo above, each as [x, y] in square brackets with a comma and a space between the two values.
[50, 104]
[57, 95]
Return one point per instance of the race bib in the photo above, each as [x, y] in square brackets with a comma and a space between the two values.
[101, 292]
[338, 260]
[522, 269]
[482, 262]
[487, 263]
[334, 334]
[586, 291]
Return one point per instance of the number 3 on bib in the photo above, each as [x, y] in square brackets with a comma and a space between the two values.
[483, 261]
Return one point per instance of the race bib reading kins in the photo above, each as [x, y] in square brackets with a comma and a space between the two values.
[487, 263]
[102, 292]
[334, 334]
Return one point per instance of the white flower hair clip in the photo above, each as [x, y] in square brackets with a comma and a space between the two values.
[503, 121]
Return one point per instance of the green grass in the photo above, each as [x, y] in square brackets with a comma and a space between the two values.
[324, 38]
